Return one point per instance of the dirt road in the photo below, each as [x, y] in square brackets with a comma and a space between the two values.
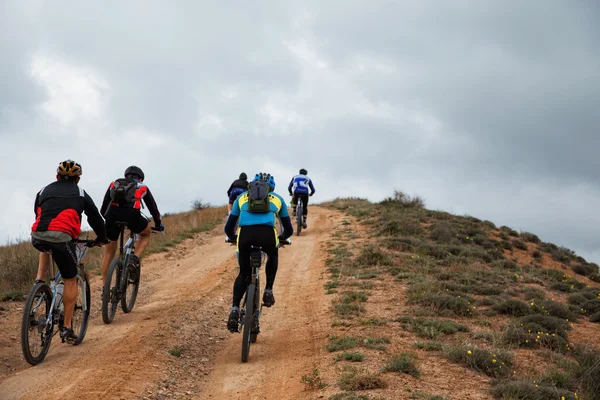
[174, 343]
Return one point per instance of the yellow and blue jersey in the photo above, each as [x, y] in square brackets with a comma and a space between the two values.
[246, 218]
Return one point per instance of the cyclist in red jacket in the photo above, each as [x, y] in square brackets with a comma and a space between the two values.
[58, 207]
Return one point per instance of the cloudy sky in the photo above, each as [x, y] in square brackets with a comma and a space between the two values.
[486, 108]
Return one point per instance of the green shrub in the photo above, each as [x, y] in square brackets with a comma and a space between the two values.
[497, 363]
[513, 307]
[519, 244]
[522, 390]
[403, 363]
[354, 380]
[584, 269]
[530, 237]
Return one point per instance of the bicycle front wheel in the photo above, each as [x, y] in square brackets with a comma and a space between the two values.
[81, 313]
[36, 336]
[130, 283]
[248, 322]
[111, 293]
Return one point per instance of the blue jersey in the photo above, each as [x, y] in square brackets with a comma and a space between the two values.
[240, 209]
[300, 184]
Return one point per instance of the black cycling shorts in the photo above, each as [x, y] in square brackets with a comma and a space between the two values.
[134, 219]
[63, 254]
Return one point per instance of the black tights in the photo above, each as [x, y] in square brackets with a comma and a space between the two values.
[254, 235]
[304, 199]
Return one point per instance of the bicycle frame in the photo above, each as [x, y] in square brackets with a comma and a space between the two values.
[80, 250]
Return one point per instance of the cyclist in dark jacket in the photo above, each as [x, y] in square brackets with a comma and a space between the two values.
[58, 208]
[130, 213]
[238, 187]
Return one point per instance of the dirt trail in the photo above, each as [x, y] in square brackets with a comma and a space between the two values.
[182, 306]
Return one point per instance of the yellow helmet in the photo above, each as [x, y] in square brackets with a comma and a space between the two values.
[69, 168]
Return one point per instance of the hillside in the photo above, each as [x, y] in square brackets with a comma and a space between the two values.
[380, 301]
[429, 305]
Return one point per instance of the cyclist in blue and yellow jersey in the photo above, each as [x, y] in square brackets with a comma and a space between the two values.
[299, 188]
[256, 227]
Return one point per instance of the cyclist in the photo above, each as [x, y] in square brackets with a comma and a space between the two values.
[298, 188]
[238, 187]
[58, 207]
[125, 207]
[258, 229]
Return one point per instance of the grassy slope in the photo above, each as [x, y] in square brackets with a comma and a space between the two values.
[430, 305]
[18, 263]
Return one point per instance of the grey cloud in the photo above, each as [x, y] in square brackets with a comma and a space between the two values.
[486, 108]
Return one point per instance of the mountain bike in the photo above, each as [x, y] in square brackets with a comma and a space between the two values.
[251, 307]
[127, 277]
[44, 310]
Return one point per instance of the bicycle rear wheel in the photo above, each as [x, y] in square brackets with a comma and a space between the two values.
[130, 282]
[111, 293]
[248, 322]
[36, 336]
[81, 313]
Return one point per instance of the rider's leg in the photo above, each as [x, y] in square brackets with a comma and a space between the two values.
[142, 243]
[244, 276]
[294, 203]
[69, 295]
[270, 248]
[43, 266]
[109, 254]
[271, 268]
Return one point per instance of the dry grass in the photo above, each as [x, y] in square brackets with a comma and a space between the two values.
[19, 262]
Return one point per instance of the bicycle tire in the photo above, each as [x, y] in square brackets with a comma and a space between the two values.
[84, 287]
[299, 212]
[126, 305]
[108, 314]
[248, 322]
[253, 334]
[26, 325]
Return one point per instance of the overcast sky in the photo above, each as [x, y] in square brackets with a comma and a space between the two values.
[486, 108]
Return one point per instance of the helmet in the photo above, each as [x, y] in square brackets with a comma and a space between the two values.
[133, 170]
[243, 176]
[69, 168]
[266, 178]
[303, 171]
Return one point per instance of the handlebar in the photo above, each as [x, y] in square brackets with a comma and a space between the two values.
[282, 243]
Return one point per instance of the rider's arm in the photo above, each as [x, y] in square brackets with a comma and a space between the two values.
[284, 216]
[36, 203]
[232, 220]
[152, 207]
[105, 201]
[229, 190]
[312, 188]
[290, 186]
[93, 216]
[288, 230]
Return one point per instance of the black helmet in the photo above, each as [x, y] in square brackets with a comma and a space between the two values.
[303, 171]
[133, 170]
[243, 176]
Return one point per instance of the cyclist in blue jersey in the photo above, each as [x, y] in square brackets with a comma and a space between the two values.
[299, 187]
[258, 229]
[238, 187]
